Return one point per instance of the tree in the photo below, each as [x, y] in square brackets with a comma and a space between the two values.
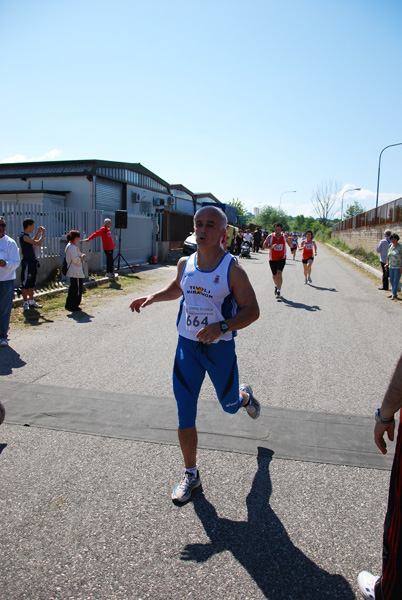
[353, 209]
[241, 209]
[323, 198]
[270, 215]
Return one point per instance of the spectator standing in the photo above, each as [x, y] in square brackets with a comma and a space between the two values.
[29, 262]
[257, 240]
[389, 585]
[394, 264]
[9, 261]
[107, 244]
[382, 250]
[75, 272]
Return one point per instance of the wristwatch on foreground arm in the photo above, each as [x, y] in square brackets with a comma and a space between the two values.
[224, 327]
[380, 420]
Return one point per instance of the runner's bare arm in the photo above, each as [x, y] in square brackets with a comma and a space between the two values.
[267, 243]
[245, 299]
[315, 248]
[391, 404]
[171, 292]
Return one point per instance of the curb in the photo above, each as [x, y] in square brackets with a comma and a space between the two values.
[357, 262]
[63, 288]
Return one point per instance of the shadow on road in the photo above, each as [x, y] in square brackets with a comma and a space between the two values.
[33, 317]
[317, 287]
[300, 305]
[263, 547]
[2, 447]
[80, 317]
[10, 359]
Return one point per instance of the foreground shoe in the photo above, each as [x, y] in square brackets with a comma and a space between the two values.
[366, 582]
[3, 343]
[310, 280]
[253, 408]
[35, 305]
[278, 296]
[183, 491]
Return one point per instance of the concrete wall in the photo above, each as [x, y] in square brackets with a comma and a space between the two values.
[366, 237]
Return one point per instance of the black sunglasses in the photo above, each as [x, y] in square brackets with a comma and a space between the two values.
[2, 225]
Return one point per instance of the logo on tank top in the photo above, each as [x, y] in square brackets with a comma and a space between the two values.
[199, 290]
[216, 280]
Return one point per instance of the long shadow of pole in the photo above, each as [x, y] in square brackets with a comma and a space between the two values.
[262, 546]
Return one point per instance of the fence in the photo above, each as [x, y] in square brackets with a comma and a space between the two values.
[387, 213]
[57, 222]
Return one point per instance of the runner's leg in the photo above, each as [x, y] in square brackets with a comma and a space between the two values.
[188, 375]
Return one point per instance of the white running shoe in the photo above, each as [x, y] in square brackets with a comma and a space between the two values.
[366, 582]
[253, 407]
[310, 280]
[183, 491]
[35, 305]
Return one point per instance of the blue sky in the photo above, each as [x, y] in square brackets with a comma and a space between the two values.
[242, 99]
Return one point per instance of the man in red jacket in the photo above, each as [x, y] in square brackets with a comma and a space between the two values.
[107, 243]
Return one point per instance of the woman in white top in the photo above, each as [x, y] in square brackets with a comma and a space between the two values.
[75, 272]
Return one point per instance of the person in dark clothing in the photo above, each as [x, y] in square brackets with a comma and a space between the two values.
[389, 585]
[257, 240]
[29, 263]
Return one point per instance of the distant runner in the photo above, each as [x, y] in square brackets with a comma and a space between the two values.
[276, 242]
[216, 300]
[309, 248]
[294, 245]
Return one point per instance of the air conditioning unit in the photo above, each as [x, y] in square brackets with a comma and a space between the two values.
[170, 200]
[135, 197]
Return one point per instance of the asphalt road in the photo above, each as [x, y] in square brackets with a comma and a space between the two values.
[88, 517]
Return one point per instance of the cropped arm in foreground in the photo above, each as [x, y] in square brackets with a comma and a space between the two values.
[391, 404]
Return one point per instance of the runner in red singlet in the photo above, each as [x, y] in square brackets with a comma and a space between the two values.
[309, 248]
[276, 242]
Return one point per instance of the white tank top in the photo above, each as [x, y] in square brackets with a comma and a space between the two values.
[207, 298]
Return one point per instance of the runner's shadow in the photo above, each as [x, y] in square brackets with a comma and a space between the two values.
[2, 447]
[10, 359]
[317, 287]
[300, 305]
[262, 546]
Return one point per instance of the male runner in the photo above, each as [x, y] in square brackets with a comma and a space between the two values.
[217, 299]
[29, 263]
[276, 242]
[294, 244]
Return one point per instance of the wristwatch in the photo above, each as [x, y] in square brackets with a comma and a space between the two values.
[380, 420]
[224, 327]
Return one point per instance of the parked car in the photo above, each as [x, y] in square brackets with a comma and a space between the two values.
[190, 245]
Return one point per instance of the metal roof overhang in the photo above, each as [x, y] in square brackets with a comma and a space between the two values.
[58, 168]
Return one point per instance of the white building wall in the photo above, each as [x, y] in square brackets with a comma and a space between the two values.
[80, 188]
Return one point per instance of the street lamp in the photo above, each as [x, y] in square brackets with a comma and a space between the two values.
[378, 176]
[352, 190]
[288, 192]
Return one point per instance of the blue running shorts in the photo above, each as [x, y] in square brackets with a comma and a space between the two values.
[192, 361]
